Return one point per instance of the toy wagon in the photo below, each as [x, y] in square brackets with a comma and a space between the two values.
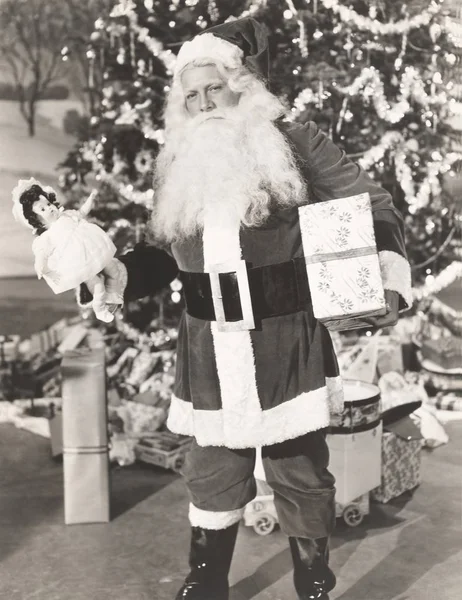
[353, 513]
[261, 513]
[163, 449]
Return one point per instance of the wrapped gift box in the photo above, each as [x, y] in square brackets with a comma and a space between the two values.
[446, 352]
[342, 261]
[361, 407]
[401, 455]
[85, 437]
[355, 461]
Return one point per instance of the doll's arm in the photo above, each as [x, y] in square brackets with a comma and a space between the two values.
[41, 247]
[86, 207]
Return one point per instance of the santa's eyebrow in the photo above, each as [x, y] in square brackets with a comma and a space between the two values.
[215, 82]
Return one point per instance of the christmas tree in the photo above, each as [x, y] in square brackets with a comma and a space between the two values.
[378, 77]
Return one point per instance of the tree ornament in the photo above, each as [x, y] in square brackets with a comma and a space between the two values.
[121, 55]
[213, 11]
[435, 31]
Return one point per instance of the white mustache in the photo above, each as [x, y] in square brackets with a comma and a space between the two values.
[217, 113]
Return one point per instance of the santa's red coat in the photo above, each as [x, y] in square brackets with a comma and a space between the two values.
[259, 387]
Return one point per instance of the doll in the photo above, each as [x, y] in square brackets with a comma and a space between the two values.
[68, 250]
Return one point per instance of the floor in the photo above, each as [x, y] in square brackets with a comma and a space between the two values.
[409, 549]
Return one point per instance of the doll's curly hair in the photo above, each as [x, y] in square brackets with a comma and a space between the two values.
[27, 201]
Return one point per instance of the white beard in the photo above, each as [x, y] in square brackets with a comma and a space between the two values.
[239, 165]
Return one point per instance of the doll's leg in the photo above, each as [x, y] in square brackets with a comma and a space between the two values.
[115, 275]
[98, 289]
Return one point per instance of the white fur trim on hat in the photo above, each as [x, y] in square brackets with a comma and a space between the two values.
[21, 187]
[208, 45]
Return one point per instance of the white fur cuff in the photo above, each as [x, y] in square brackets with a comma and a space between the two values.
[396, 274]
[208, 519]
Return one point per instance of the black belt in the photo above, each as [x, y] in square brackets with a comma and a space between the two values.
[274, 290]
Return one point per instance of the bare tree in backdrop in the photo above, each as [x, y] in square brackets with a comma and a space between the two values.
[33, 34]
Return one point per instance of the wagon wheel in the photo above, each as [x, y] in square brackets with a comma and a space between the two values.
[352, 515]
[264, 525]
[178, 463]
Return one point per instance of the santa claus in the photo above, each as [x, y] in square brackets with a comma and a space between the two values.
[254, 366]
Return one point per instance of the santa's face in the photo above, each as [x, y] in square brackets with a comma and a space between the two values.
[205, 90]
[47, 211]
[227, 159]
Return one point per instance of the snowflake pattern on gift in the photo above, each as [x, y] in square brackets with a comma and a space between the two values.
[346, 305]
[323, 286]
[329, 210]
[345, 217]
[342, 236]
[325, 273]
[367, 293]
[364, 273]
[364, 292]
[362, 204]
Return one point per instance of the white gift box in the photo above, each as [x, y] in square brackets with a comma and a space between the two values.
[341, 258]
[355, 462]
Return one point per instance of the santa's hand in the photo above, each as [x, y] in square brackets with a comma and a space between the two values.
[390, 318]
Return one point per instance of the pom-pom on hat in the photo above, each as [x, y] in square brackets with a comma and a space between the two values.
[238, 42]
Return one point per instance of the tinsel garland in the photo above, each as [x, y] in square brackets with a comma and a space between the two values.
[127, 191]
[440, 282]
[454, 30]
[251, 9]
[348, 15]
[127, 8]
[376, 153]
[411, 86]
[370, 84]
[129, 115]
[431, 183]
[155, 339]
[90, 153]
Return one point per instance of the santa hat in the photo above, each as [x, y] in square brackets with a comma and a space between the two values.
[238, 42]
[22, 186]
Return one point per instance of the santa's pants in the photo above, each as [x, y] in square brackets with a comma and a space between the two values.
[221, 482]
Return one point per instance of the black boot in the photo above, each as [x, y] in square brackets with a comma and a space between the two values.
[209, 559]
[312, 577]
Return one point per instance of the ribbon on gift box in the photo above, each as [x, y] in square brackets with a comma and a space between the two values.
[352, 253]
[86, 450]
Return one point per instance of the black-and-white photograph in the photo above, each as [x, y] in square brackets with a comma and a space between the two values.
[230, 299]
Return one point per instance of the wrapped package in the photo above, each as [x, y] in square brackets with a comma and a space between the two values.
[401, 456]
[85, 437]
[355, 461]
[342, 261]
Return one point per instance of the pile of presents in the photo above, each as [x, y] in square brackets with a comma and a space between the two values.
[139, 378]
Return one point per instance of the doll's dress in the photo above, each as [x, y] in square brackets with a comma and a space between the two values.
[74, 251]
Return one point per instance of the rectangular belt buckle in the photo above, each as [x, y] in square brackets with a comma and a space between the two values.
[240, 268]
